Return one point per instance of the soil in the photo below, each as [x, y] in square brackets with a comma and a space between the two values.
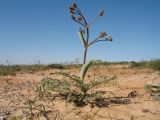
[15, 91]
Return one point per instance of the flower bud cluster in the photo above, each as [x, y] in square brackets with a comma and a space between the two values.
[75, 13]
[102, 34]
[109, 38]
[101, 13]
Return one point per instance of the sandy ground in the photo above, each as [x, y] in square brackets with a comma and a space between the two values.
[16, 90]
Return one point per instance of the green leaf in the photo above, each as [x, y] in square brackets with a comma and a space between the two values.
[72, 77]
[85, 69]
[50, 84]
[80, 34]
[105, 80]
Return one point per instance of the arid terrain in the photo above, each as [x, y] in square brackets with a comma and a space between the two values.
[18, 96]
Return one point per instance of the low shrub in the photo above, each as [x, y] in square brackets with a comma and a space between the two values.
[55, 66]
[152, 64]
[8, 70]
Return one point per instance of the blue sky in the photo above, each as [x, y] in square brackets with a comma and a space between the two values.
[41, 30]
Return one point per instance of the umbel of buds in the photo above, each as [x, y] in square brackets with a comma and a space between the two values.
[74, 5]
[101, 13]
[72, 8]
[109, 38]
[102, 34]
[79, 18]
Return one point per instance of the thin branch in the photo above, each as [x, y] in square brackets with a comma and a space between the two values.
[94, 20]
[95, 42]
[79, 11]
[76, 12]
[80, 23]
[87, 35]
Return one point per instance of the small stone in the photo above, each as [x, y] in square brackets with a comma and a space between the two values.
[145, 110]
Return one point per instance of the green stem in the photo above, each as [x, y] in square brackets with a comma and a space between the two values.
[84, 55]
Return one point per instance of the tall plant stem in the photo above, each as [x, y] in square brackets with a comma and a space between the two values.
[84, 55]
[87, 36]
[85, 49]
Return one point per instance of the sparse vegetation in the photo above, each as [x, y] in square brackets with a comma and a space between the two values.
[152, 64]
[8, 70]
[55, 66]
[13, 69]
[152, 88]
[72, 91]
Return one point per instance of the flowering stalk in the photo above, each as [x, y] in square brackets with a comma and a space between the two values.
[78, 17]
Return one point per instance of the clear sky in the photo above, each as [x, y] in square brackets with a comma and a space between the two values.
[41, 30]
